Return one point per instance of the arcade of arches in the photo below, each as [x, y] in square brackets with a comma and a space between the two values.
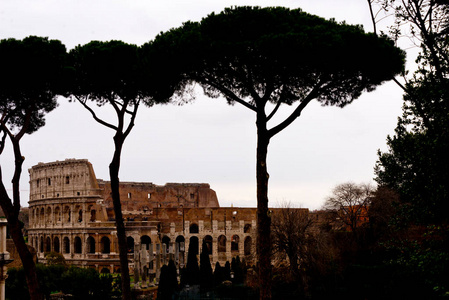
[71, 213]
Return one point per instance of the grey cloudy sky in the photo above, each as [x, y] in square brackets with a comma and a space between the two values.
[207, 140]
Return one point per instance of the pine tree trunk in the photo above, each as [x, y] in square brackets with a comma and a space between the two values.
[263, 215]
[12, 215]
[121, 234]
[27, 260]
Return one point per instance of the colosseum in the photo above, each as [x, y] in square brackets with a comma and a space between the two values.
[71, 213]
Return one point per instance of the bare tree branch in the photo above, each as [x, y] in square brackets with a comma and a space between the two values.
[229, 94]
[104, 123]
[296, 113]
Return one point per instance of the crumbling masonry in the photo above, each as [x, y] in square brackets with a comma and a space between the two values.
[71, 213]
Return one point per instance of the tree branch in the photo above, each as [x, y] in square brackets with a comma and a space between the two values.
[133, 117]
[5, 201]
[296, 113]
[373, 19]
[229, 94]
[94, 115]
[115, 104]
[26, 124]
[3, 141]
[278, 104]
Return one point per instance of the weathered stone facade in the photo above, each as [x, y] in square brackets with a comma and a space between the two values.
[70, 212]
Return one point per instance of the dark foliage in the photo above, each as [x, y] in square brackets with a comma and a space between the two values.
[168, 282]
[238, 270]
[191, 273]
[206, 276]
[78, 282]
[33, 72]
[416, 164]
[219, 276]
[285, 52]
[227, 271]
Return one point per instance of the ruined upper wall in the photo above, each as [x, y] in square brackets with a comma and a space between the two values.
[140, 196]
[62, 179]
[76, 178]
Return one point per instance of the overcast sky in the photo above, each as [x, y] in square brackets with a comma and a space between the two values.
[208, 140]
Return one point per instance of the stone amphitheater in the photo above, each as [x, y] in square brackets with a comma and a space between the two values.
[70, 212]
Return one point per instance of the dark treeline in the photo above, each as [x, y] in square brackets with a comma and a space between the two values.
[57, 277]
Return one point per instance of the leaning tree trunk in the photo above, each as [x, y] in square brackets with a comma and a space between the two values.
[263, 216]
[27, 260]
[121, 234]
[12, 215]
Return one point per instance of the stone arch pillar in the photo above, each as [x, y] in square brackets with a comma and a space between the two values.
[242, 246]
[97, 243]
[214, 248]
[84, 244]
[228, 247]
[72, 244]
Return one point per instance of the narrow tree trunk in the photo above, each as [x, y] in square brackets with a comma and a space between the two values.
[27, 260]
[121, 234]
[12, 215]
[263, 215]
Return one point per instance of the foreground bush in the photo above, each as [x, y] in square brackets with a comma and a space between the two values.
[80, 283]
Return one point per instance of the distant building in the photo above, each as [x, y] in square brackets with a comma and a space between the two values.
[71, 212]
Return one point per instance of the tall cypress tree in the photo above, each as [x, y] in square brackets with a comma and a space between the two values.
[218, 274]
[168, 282]
[237, 269]
[206, 278]
[192, 271]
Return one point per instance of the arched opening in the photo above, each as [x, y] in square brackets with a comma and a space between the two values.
[67, 214]
[90, 245]
[105, 245]
[235, 243]
[47, 244]
[194, 245]
[145, 240]
[42, 217]
[93, 215]
[56, 244]
[247, 245]
[247, 228]
[180, 248]
[105, 271]
[193, 228]
[57, 214]
[66, 245]
[208, 242]
[79, 210]
[180, 243]
[221, 245]
[48, 215]
[166, 242]
[92, 212]
[41, 246]
[77, 245]
[130, 242]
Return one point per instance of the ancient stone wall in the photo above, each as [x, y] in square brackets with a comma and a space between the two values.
[140, 196]
[71, 213]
